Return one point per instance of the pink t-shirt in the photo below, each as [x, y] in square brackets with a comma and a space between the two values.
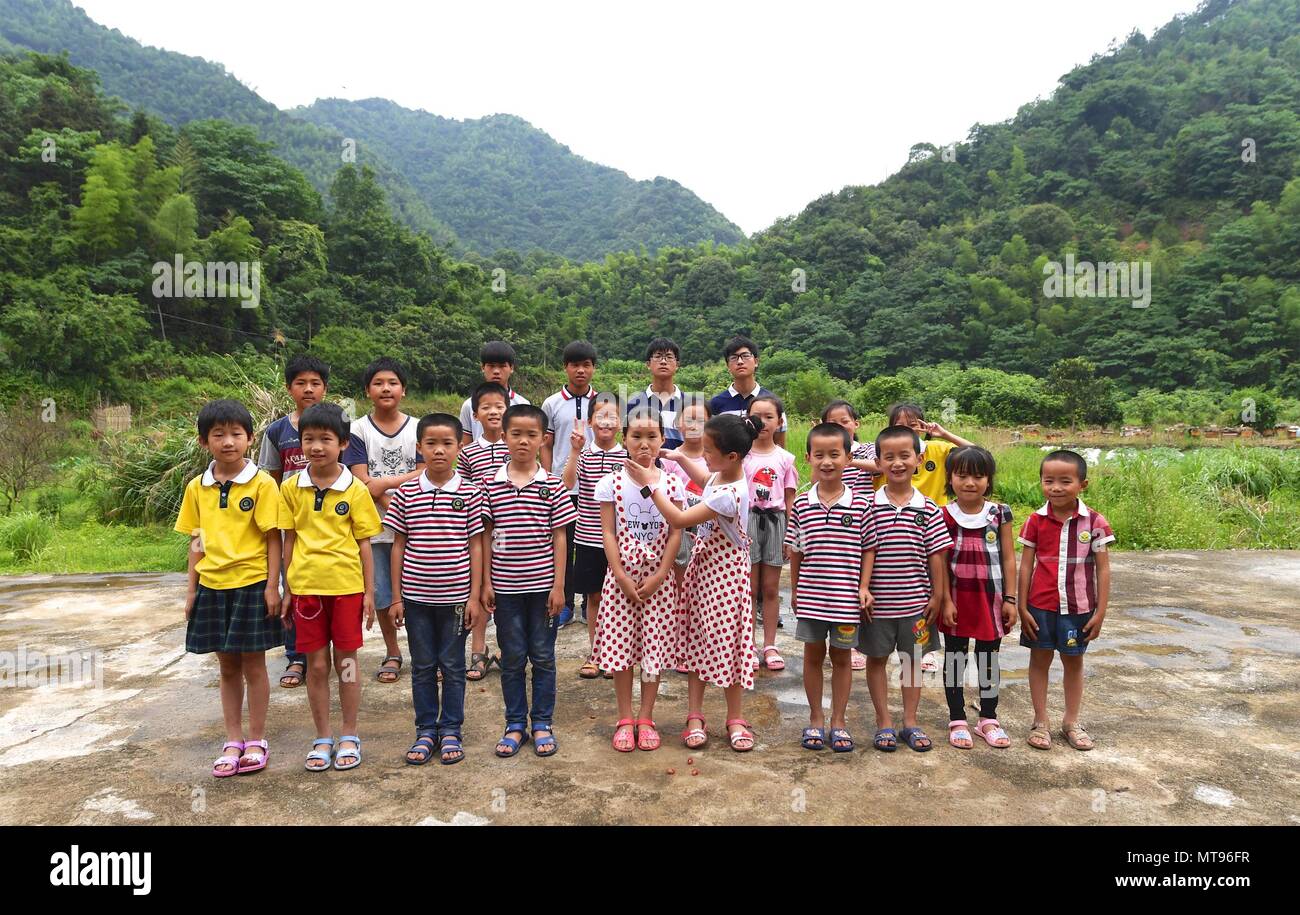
[769, 476]
[693, 490]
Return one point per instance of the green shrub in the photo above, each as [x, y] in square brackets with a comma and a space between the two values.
[27, 534]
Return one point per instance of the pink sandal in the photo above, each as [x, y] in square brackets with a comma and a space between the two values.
[260, 762]
[743, 734]
[859, 661]
[647, 738]
[689, 733]
[994, 736]
[960, 730]
[624, 742]
[227, 760]
[774, 663]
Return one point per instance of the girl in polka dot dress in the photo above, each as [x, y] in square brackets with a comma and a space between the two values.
[718, 641]
[638, 603]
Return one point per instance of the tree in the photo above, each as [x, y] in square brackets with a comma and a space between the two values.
[1085, 398]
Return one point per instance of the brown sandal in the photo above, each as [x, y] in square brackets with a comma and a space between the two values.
[1076, 736]
[589, 670]
[1040, 738]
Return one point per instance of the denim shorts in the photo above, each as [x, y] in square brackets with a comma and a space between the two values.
[840, 635]
[382, 558]
[1061, 632]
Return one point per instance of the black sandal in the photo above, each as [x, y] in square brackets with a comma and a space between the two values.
[295, 677]
[385, 669]
[480, 664]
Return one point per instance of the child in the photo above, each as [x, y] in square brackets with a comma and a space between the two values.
[638, 603]
[526, 512]
[858, 475]
[280, 454]
[718, 643]
[382, 454]
[832, 542]
[686, 462]
[981, 566]
[741, 356]
[662, 358]
[566, 410]
[329, 517]
[587, 465]
[770, 470]
[498, 363]
[232, 605]
[479, 460]
[437, 571]
[1064, 588]
[907, 585]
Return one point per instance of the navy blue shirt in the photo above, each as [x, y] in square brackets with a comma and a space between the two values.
[731, 401]
[669, 411]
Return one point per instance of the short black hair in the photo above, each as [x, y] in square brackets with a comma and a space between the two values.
[327, 416]
[696, 399]
[223, 412]
[662, 345]
[579, 351]
[839, 405]
[897, 431]
[383, 364]
[306, 362]
[1069, 457]
[524, 411]
[972, 461]
[904, 406]
[643, 410]
[732, 433]
[483, 390]
[739, 342]
[830, 429]
[442, 421]
[770, 398]
[496, 352]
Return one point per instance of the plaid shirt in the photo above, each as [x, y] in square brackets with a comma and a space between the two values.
[1065, 563]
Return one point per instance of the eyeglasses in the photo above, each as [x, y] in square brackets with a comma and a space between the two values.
[663, 357]
[740, 357]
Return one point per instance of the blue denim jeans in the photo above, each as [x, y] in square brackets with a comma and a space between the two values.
[526, 634]
[436, 636]
[291, 653]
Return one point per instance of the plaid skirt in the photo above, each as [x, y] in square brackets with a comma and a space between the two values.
[232, 620]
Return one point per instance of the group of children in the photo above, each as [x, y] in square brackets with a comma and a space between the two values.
[675, 537]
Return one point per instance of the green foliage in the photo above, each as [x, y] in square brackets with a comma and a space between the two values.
[27, 534]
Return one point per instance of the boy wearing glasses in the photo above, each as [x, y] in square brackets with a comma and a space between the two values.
[741, 355]
[662, 397]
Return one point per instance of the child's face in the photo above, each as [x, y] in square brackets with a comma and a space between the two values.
[1061, 483]
[439, 447]
[524, 439]
[691, 422]
[227, 442]
[498, 373]
[491, 407]
[643, 440]
[604, 424]
[841, 417]
[968, 486]
[322, 447]
[899, 459]
[580, 373]
[662, 365]
[385, 391]
[826, 453]
[715, 459]
[742, 364]
[766, 411]
[912, 421]
[307, 388]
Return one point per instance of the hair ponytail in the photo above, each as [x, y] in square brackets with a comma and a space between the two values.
[733, 434]
[754, 425]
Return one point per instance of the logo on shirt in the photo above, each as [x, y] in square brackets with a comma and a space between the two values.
[544, 492]
[341, 508]
[929, 466]
[991, 536]
[920, 519]
[391, 460]
[764, 480]
[846, 521]
[1085, 536]
[458, 504]
[246, 504]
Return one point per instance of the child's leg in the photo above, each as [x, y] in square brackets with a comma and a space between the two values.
[956, 650]
[450, 634]
[383, 598]
[623, 692]
[512, 639]
[259, 692]
[814, 656]
[694, 703]
[990, 674]
[649, 693]
[1040, 662]
[878, 687]
[232, 694]
[770, 582]
[841, 684]
[909, 674]
[345, 665]
[421, 624]
[735, 693]
[318, 690]
[593, 610]
[1073, 665]
[541, 654]
[478, 636]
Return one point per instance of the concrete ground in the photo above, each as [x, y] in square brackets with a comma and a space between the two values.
[1191, 696]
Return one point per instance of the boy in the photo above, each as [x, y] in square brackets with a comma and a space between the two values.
[329, 517]
[908, 584]
[569, 410]
[232, 606]
[1064, 588]
[437, 571]
[480, 458]
[741, 355]
[662, 358]
[382, 454]
[831, 542]
[526, 513]
[497, 360]
[306, 378]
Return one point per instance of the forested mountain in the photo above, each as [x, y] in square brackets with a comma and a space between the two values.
[499, 182]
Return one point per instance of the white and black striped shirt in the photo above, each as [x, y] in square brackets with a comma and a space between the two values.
[906, 537]
[523, 529]
[438, 523]
[830, 540]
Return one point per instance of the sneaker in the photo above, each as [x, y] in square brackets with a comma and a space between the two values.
[566, 617]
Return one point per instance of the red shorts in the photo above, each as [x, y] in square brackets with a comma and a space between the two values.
[329, 618]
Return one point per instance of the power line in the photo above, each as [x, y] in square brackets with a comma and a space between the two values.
[246, 333]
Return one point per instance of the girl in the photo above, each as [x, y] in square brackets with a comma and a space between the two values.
[862, 458]
[587, 464]
[718, 643]
[690, 421]
[638, 603]
[770, 470]
[982, 564]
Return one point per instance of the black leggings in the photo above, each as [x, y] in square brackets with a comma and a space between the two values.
[957, 650]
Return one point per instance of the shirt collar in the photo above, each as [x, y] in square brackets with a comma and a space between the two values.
[917, 500]
[427, 485]
[845, 499]
[978, 520]
[569, 395]
[484, 443]
[249, 471]
[677, 392]
[592, 446]
[1081, 511]
[503, 474]
[341, 484]
[758, 389]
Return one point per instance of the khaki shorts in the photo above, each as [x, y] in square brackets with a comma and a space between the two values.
[767, 538]
[840, 635]
[909, 635]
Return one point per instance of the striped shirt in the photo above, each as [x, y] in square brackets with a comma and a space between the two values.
[857, 477]
[1065, 558]
[593, 463]
[438, 523]
[830, 540]
[481, 458]
[906, 537]
[471, 425]
[523, 525]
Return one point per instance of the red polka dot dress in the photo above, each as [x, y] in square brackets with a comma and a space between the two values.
[717, 641]
[630, 633]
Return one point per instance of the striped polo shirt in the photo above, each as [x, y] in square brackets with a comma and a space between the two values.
[906, 537]
[830, 540]
[523, 524]
[593, 463]
[438, 523]
[480, 459]
[1065, 558]
[856, 477]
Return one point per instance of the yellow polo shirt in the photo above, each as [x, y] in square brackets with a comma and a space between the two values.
[327, 524]
[231, 521]
[931, 475]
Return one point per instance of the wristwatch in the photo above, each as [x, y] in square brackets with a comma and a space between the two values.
[645, 491]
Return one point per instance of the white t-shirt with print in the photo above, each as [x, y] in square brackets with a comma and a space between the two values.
[640, 517]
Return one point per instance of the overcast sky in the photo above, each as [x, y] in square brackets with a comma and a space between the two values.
[758, 108]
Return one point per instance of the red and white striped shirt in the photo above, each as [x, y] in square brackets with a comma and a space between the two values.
[523, 530]
[906, 537]
[481, 458]
[438, 523]
[830, 540]
[593, 463]
[856, 477]
[1065, 563]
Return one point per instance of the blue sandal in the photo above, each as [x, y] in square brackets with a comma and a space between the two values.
[843, 736]
[319, 754]
[886, 740]
[510, 742]
[914, 736]
[451, 744]
[354, 753]
[813, 739]
[540, 744]
[424, 745]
